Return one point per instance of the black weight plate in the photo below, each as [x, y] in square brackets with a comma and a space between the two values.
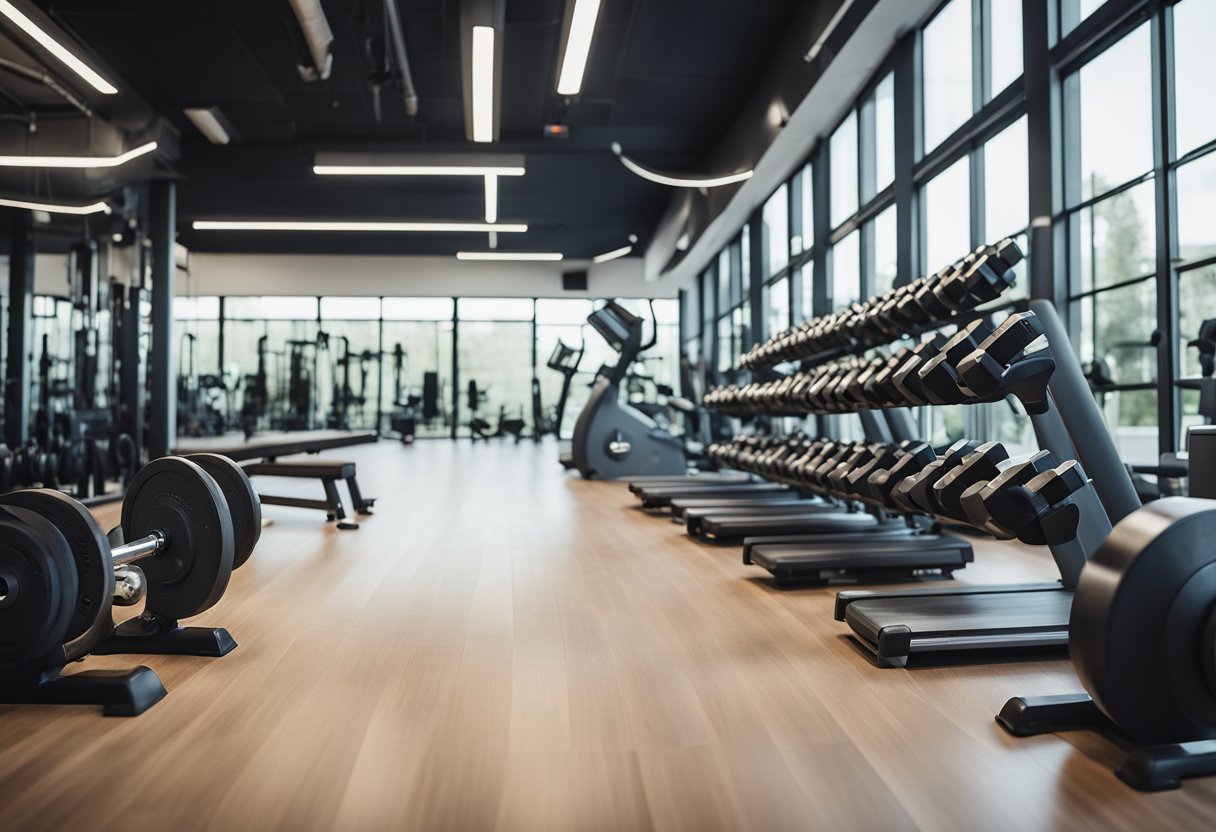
[1137, 623]
[176, 497]
[37, 583]
[243, 502]
[90, 552]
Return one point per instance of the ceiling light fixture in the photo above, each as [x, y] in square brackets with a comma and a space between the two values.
[578, 46]
[79, 210]
[207, 120]
[679, 181]
[507, 255]
[483, 83]
[417, 170]
[820, 41]
[82, 162]
[491, 198]
[56, 48]
[306, 225]
[611, 255]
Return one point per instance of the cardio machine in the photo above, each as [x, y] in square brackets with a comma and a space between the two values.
[611, 438]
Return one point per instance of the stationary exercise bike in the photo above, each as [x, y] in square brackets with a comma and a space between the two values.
[611, 438]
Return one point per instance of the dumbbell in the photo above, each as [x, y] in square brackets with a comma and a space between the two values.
[975, 498]
[939, 378]
[981, 465]
[994, 368]
[181, 528]
[882, 481]
[1040, 512]
[911, 495]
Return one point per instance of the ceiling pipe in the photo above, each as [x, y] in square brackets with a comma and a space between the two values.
[44, 78]
[397, 36]
[318, 36]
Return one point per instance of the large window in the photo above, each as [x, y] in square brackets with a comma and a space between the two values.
[1112, 235]
[946, 70]
[947, 216]
[843, 154]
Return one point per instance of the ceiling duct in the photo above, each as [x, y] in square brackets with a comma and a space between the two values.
[396, 35]
[319, 37]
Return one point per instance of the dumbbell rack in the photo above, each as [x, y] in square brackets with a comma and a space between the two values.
[979, 619]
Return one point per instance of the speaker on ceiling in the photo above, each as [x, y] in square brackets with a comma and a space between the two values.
[574, 281]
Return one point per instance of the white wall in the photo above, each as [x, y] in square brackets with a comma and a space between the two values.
[314, 274]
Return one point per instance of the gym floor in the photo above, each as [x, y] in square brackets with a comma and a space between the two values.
[504, 646]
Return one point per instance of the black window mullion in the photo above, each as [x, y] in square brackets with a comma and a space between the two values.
[1168, 397]
[907, 115]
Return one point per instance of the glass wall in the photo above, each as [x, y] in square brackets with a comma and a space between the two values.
[347, 362]
[1120, 132]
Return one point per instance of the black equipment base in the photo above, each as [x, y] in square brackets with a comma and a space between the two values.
[895, 558]
[681, 506]
[732, 528]
[639, 484]
[661, 496]
[960, 621]
[119, 692]
[1146, 768]
[163, 637]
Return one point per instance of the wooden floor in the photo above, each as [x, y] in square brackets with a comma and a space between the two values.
[506, 647]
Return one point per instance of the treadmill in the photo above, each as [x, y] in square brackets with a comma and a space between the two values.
[980, 621]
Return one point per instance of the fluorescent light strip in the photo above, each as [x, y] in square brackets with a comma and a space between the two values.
[680, 181]
[416, 170]
[491, 198]
[55, 48]
[208, 124]
[83, 162]
[507, 255]
[483, 83]
[79, 210]
[818, 45]
[611, 255]
[292, 225]
[578, 46]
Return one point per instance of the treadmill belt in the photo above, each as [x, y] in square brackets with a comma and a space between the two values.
[880, 558]
[895, 628]
[737, 527]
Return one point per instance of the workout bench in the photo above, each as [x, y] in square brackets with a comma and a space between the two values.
[328, 473]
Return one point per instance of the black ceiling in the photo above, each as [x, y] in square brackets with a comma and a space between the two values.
[666, 79]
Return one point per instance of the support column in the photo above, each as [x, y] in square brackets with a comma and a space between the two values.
[162, 389]
[17, 373]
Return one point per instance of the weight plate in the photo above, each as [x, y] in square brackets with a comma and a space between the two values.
[89, 551]
[37, 585]
[243, 502]
[176, 497]
[1138, 619]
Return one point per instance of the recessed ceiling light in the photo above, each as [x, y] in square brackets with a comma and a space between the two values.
[483, 83]
[578, 46]
[56, 48]
[82, 162]
[306, 225]
[52, 208]
[611, 255]
[507, 255]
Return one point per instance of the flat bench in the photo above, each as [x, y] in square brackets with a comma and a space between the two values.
[328, 473]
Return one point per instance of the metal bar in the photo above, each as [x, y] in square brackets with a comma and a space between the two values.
[145, 547]
[162, 387]
[1045, 281]
[1095, 446]
[1163, 150]
[906, 115]
[20, 328]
